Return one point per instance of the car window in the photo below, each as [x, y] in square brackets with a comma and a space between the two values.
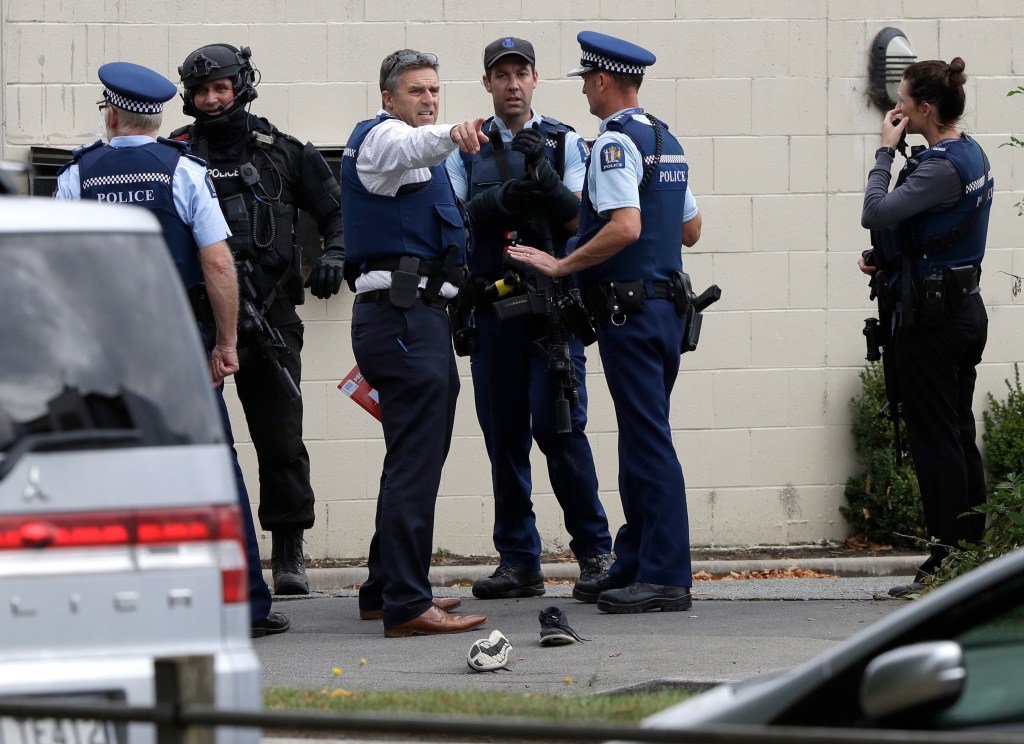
[994, 689]
[97, 337]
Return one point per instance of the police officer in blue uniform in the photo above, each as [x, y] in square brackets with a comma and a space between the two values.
[158, 174]
[929, 237]
[263, 178]
[526, 180]
[627, 253]
[407, 249]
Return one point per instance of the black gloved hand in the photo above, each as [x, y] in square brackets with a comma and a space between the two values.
[561, 204]
[547, 178]
[327, 273]
[530, 142]
[520, 195]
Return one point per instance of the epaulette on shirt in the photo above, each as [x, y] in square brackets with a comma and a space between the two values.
[553, 122]
[80, 151]
[77, 153]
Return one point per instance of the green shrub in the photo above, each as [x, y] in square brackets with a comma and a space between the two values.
[1004, 532]
[884, 503]
[1004, 433]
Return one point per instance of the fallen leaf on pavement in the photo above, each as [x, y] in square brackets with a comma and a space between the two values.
[772, 573]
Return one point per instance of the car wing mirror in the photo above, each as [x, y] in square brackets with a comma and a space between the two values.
[908, 678]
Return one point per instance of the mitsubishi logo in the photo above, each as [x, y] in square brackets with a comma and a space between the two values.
[33, 491]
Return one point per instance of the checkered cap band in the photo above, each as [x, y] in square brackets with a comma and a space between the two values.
[667, 159]
[594, 59]
[130, 104]
[127, 178]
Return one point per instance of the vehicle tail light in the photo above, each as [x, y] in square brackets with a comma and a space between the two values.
[234, 575]
[84, 531]
[141, 528]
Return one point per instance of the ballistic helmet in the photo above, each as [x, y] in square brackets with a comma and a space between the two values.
[216, 61]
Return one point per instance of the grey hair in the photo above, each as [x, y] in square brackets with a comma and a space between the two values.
[397, 62]
[131, 121]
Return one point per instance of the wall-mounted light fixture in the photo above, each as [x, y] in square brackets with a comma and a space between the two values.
[890, 56]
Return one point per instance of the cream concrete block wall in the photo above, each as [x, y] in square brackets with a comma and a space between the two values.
[771, 101]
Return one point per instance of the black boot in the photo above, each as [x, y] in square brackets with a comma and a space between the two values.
[286, 562]
[508, 582]
[593, 578]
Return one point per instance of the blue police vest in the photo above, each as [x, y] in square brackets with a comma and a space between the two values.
[657, 254]
[422, 223]
[919, 236]
[142, 176]
[483, 173]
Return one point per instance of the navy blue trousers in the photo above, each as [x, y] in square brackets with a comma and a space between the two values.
[937, 370]
[641, 361]
[407, 356]
[515, 405]
[259, 592]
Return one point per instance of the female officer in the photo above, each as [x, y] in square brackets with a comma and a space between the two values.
[929, 236]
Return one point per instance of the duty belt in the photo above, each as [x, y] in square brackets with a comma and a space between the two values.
[618, 296]
[384, 295]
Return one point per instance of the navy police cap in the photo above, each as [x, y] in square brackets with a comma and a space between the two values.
[135, 88]
[603, 52]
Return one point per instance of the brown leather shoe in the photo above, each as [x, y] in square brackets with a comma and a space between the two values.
[433, 622]
[445, 603]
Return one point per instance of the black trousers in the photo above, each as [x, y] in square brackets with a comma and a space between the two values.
[275, 426]
[937, 369]
[407, 356]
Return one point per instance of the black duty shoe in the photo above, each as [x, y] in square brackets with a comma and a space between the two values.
[641, 597]
[508, 582]
[593, 577]
[286, 563]
[905, 590]
[554, 628]
[275, 622]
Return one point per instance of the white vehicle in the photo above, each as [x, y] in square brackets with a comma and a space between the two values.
[120, 538]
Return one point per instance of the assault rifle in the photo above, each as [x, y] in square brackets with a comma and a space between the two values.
[255, 333]
[564, 313]
[878, 336]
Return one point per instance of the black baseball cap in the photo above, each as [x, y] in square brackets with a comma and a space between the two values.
[505, 46]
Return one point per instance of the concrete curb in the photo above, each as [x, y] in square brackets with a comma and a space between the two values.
[330, 579]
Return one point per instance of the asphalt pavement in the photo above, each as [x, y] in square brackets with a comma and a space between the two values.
[735, 629]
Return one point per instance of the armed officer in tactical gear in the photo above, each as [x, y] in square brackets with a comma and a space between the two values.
[628, 270]
[929, 236]
[159, 175]
[263, 177]
[526, 180]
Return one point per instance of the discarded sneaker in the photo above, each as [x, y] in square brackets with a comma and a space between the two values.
[488, 654]
[554, 628]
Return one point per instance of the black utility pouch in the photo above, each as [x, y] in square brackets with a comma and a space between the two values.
[628, 296]
[405, 282]
[464, 334]
[236, 214]
[682, 293]
[931, 302]
[961, 281]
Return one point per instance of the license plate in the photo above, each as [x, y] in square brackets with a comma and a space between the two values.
[55, 731]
